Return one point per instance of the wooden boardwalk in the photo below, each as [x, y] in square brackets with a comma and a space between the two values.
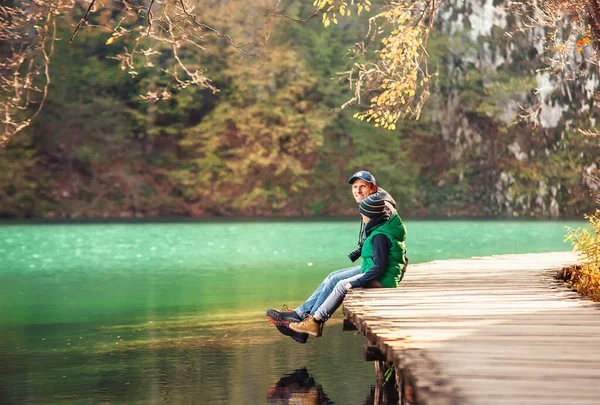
[489, 330]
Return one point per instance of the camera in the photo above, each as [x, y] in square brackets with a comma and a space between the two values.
[355, 254]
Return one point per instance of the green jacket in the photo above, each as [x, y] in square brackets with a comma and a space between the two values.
[395, 230]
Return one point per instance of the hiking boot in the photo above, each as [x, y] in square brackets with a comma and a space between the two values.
[308, 325]
[283, 317]
[298, 337]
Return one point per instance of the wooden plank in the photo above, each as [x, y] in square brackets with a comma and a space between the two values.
[488, 330]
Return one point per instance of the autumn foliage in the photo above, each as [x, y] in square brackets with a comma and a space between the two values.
[387, 71]
[586, 278]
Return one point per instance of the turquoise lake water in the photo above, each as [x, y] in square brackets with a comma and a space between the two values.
[174, 312]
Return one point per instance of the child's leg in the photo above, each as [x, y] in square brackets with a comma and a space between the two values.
[334, 300]
[325, 288]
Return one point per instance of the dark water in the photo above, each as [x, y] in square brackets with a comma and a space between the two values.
[174, 313]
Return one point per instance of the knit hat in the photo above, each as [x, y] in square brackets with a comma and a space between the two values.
[363, 175]
[372, 206]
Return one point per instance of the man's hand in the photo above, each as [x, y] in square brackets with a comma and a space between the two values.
[348, 287]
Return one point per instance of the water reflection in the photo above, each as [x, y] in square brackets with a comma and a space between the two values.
[385, 394]
[300, 388]
[297, 387]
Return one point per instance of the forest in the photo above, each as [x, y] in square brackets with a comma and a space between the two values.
[273, 140]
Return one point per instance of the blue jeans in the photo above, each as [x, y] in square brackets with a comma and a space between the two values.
[325, 289]
[334, 300]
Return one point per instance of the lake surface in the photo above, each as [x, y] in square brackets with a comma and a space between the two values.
[150, 313]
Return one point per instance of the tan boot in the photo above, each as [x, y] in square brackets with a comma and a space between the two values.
[308, 325]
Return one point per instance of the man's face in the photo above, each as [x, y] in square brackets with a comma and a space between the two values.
[361, 190]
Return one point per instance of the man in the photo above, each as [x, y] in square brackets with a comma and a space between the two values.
[383, 254]
[363, 184]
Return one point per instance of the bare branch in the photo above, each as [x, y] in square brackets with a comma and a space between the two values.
[25, 71]
[81, 22]
[46, 64]
[150, 16]
[217, 33]
[276, 12]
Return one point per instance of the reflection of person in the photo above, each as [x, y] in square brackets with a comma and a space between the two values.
[363, 184]
[383, 254]
[297, 388]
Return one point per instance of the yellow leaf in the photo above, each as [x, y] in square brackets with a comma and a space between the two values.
[110, 40]
[583, 41]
